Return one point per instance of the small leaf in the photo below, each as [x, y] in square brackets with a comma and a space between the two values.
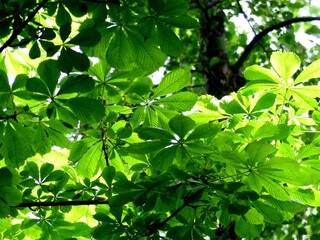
[6, 176]
[87, 37]
[172, 82]
[62, 16]
[181, 125]
[285, 64]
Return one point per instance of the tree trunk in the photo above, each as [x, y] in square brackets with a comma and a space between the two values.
[221, 78]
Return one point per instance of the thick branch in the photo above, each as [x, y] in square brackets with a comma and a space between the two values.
[61, 203]
[264, 32]
[17, 31]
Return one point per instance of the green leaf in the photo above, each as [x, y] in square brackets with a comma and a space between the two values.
[266, 101]
[70, 59]
[254, 217]
[172, 82]
[77, 84]
[270, 214]
[15, 147]
[147, 147]
[273, 188]
[50, 74]
[87, 37]
[247, 230]
[37, 85]
[88, 110]
[4, 210]
[182, 101]
[65, 31]
[108, 174]
[256, 73]
[153, 133]
[45, 170]
[232, 107]
[181, 125]
[311, 71]
[174, 8]
[34, 51]
[6, 176]
[91, 161]
[41, 141]
[146, 53]
[119, 54]
[163, 160]
[205, 130]
[62, 16]
[285, 64]
[10, 195]
[4, 82]
[259, 151]
[307, 151]
[169, 43]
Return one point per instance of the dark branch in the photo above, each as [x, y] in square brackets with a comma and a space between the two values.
[60, 203]
[104, 146]
[263, 33]
[17, 31]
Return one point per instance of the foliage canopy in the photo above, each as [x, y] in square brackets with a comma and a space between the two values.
[92, 147]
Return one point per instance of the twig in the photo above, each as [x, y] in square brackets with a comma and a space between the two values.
[264, 32]
[104, 146]
[252, 28]
[19, 29]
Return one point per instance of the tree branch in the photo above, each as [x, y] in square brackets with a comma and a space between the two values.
[17, 31]
[263, 33]
[61, 203]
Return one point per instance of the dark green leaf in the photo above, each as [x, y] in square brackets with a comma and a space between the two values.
[203, 131]
[77, 84]
[108, 174]
[49, 72]
[10, 195]
[163, 160]
[147, 147]
[88, 110]
[62, 16]
[4, 82]
[87, 37]
[34, 51]
[153, 133]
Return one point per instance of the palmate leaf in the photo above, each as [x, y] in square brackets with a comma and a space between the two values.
[91, 161]
[148, 147]
[172, 82]
[204, 131]
[184, 21]
[11, 195]
[182, 101]
[265, 101]
[270, 214]
[77, 84]
[285, 64]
